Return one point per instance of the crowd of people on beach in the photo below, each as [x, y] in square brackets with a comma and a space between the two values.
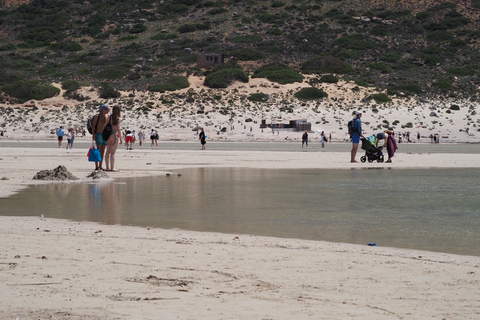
[106, 141]
[107, 135]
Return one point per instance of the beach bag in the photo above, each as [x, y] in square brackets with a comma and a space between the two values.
[94, 154]
[108, 130]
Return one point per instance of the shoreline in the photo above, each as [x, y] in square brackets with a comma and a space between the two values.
[119, 272]
[126, 272]
[19, 164]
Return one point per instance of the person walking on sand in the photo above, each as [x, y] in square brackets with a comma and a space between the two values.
[323, 138]
[357, 133]
[141, 137]
[305, 139]
[72, 138]
[202, 137]
[152, 137]
[114, 140]
[391, 145]
[60, 134]
[156, 138]
[99, 122]
[69, 139]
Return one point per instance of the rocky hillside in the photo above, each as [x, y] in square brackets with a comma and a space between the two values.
[402, 47]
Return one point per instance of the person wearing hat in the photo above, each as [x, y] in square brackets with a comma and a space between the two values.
[99, 122]
[356, 136]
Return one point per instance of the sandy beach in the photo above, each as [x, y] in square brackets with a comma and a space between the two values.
[58, 269]
[118, 272]
[114, 272]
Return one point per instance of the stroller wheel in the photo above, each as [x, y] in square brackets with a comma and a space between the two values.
[380, 159]
[363, 158]
[370, 160]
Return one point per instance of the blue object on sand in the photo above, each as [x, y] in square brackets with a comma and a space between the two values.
[372, 244]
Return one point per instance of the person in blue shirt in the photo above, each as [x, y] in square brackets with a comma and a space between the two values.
[356, 136]
[60, 134]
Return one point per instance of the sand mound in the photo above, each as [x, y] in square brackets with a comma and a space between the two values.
[60, 173]
[98, 175]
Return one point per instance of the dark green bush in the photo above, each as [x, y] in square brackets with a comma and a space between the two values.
[381, 98]
[432, 60]
[432, 50]
[475, 4]
[391, 57]
[258, 97]
[224, 75]
[422, 16]
[310, 93]
[108, 92]
[275, 32]
[277, 4]
[339, 16]
[8, 47]
[71, 85]
[138, 28]
[215, 11]
[246, 39]
[379, 31]
[170, 84]
[111, 73]
[461, 71]
[325, 64]
[440, 36]
[22, 91]
[194, 27]
[362, 83]
[442, 84]
[354, 42]
[6, 78]
[379, 66]
[23, 65]
[405, 90]
[345, 54]
[164, 36]
[66, 46]
[457, 43]
[328, 78]
[269, 18]
[248, 54]
[278, 73]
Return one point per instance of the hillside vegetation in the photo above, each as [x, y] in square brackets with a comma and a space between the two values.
[402, 48]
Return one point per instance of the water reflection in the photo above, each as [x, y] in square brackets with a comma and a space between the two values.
[104, 203]
[421, 209]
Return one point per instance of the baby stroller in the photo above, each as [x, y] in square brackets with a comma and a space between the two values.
[372, 153]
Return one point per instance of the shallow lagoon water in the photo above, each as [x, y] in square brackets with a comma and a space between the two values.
[434, 209]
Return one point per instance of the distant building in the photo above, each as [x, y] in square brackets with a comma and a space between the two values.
[209, 60]
[296, 125]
